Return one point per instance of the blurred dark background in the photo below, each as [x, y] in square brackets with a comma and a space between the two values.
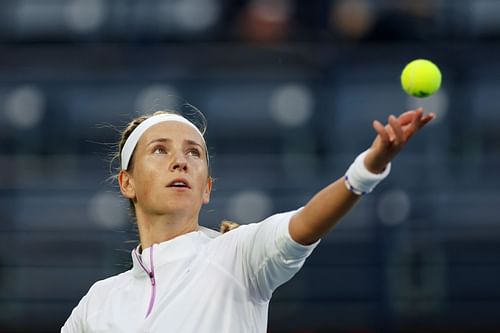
[289, 89]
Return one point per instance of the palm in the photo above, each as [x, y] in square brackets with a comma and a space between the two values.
[392, 137]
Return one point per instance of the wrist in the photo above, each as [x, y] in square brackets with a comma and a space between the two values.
[360, 180]
[374, 165]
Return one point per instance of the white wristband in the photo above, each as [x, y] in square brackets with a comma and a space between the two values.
[359, 180]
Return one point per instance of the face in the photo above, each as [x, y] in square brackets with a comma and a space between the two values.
[170, 171]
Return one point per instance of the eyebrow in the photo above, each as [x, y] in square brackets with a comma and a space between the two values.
[190, 142]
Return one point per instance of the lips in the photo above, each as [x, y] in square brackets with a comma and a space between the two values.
[179, 183]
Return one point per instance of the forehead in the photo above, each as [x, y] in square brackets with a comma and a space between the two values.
[172, 130]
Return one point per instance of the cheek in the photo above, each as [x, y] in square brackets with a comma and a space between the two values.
[202, 176]
[204, 172]
[145, 183]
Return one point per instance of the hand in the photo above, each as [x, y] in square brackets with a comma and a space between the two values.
[392, 137]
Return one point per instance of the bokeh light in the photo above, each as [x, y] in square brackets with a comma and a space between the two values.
[157, 97]
[196, 15]
[107, 210]
[249, 206]
[25, 107]
[393, 207]
[84, 15]
[292, 105]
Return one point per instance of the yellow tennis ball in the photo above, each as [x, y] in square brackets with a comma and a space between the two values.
[421, 78]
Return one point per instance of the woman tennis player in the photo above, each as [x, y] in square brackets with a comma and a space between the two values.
[189, 279]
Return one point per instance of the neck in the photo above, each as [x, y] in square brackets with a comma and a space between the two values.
[154, 229]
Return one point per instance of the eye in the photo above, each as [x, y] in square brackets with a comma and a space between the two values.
[159, 150]
[194, 152]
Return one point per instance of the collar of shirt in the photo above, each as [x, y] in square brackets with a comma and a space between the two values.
[160, 254]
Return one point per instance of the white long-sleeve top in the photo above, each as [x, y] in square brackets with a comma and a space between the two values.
[196, 283]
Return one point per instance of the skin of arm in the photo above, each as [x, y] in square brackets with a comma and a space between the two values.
[328, 206]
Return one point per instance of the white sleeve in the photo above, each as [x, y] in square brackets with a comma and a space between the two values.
[76, 323]
[269, 256]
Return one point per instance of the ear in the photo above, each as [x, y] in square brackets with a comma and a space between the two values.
[126, 185]
[208, 189]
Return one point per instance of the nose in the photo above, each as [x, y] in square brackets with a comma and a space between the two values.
[179, 162]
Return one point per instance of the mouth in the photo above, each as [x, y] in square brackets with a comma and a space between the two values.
[179, 183]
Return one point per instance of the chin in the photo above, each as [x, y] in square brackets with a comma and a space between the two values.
[179, 206]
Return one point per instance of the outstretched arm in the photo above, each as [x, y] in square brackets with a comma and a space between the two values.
[329, 205]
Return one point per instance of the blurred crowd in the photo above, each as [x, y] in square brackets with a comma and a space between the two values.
[267, 21]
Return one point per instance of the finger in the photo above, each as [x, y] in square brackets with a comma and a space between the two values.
[381, 131]
[409, 116]
[420, 113]
[398, 131]
[390, 132]
[406, 118]
[415, 124]
[426, 119]
[416, 120]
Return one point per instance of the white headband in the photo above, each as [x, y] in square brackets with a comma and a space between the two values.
[129, 146]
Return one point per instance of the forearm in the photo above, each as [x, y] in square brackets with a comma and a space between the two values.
[327, 207]
[322, 213]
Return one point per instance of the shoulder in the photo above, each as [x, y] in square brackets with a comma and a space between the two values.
[99, 291]
[269, 228]
[268, 225]
[103, 287]
[208, 233]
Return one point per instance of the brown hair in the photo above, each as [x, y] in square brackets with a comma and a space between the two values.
[227, 225]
